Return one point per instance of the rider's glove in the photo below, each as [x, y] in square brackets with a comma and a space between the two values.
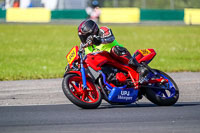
[92, 40]
[89, 40]
[96, 40]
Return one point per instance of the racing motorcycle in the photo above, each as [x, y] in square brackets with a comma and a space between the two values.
[90, 78]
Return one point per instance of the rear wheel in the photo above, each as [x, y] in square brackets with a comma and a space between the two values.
[72, 86]
[168, 93]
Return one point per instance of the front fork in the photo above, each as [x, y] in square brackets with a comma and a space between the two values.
[83, 72]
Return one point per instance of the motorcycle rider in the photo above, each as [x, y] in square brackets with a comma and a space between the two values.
[102, 39]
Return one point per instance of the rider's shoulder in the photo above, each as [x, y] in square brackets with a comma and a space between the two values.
[105, 32]
[104, 28]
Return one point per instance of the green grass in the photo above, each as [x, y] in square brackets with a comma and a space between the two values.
[38, 51]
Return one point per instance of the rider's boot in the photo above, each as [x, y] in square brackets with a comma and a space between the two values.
[143, 71]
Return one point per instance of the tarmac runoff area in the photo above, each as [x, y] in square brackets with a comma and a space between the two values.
[49, 91]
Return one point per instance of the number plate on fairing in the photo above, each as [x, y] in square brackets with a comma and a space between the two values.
[72, 55]
[144, 52]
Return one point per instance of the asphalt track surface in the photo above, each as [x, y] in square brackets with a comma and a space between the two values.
[20, 112]
[141, 118]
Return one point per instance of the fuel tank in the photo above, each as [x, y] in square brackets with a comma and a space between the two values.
[96, 60]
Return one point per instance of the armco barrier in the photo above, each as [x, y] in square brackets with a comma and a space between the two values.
[69, 14]
[192, 16]
[28, 15]
[120, 15]
[161, 15]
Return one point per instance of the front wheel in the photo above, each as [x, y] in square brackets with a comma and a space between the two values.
[89, 98]
[168, 93]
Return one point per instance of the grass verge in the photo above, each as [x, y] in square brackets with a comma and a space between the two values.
[38, 51]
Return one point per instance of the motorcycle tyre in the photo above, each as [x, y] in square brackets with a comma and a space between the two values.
[75, 100]
[162, 101]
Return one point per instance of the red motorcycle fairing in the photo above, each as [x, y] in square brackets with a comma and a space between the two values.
[144, 55]
[97, 60]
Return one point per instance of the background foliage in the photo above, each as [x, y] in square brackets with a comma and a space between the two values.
[151, 4]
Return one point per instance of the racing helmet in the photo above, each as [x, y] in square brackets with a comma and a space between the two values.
[87, 28]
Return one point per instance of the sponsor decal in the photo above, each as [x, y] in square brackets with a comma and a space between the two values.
[125, 95]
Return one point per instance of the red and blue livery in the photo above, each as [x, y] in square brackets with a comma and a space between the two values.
[90, 78]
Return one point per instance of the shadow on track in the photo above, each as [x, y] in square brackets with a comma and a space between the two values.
[144, 105]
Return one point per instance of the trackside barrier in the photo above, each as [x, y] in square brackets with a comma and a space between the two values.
[69, 14]
[28, 15]
[120, 15]
[192, 16]
[108, 15]
[2, 14]
[161, 15]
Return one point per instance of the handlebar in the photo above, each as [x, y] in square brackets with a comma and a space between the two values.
[83, 46]
[82, 49]
[89, 42]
